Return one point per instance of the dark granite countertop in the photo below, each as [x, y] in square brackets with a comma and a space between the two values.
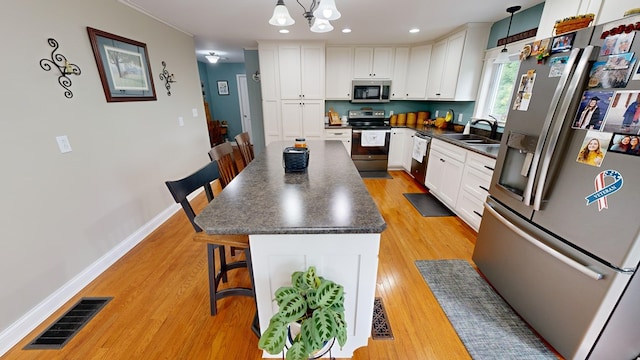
[439, 134]
[329, 198]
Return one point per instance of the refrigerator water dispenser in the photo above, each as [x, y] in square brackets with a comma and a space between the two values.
[517, 163]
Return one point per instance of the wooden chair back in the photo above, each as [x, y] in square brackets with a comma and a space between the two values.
[182, 188]
[245, 147]
[223, 155]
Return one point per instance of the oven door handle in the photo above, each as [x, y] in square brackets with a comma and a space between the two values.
[358, 131]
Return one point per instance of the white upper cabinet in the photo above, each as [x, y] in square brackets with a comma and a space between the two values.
[456, 64]
[373, 63]
[418, 72]
[301, 68]
[400, 68]
[339, 73]
[269, 82]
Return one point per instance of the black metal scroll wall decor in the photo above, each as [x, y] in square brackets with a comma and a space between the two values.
[167, 78]
[60, 62]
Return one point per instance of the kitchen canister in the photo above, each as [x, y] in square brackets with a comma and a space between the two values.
[393, 119]
[422, 116]
[411, 118]
[402, 119]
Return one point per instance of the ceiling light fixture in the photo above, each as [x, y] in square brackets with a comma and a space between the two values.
[318, 15]
[414, 30]
[212, 58]
[503, 57]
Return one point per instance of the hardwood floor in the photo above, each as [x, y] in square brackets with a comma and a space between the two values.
[160, 306]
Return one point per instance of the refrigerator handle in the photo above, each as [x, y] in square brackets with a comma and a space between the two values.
[555, 100]
[556, 254]
[590, 53]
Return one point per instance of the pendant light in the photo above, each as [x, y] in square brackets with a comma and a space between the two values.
[503, 57]
[281, 15]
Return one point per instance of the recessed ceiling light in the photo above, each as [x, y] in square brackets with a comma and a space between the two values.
[283, 31]
[346, 30]
[415, 30]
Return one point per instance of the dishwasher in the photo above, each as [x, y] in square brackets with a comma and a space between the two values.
[421, 145]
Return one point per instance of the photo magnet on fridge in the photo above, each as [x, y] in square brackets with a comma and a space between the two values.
[592, 110]
[594, 148]
[623, 115]
[625, 144]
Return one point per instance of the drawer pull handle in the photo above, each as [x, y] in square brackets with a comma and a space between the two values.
[483, 188]
[489, 167]
[477, 213]
[442, 160]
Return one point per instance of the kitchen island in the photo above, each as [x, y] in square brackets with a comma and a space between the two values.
[323, 217]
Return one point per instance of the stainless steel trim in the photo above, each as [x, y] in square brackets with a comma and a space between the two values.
[556, 254]
[360, 131]
[581, 70]
[568, 71]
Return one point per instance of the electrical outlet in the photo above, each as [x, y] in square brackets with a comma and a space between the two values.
[63, 144]
[460, 118]
[194, 111]
[390, 112]
[180, 121]
[437, 113]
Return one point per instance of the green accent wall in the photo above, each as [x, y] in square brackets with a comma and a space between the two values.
[523, 20]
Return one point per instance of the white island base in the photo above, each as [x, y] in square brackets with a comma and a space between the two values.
[350, 260]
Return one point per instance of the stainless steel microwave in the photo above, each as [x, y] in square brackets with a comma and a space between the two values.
[370, 91]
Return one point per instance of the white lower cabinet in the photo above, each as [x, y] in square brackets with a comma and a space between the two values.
[342, 134]
[444, 171]
[396, 147]
[474, 188]
[407, 149]
[302, 119]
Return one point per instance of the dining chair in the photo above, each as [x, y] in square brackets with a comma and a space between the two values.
[184, 187]
[222, 154]
[245, 147]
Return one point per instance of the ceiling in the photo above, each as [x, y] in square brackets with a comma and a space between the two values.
[227, 27]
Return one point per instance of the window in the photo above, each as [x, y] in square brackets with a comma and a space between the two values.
[496, 86]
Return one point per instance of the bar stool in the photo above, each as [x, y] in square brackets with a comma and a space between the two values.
[245, 147]
[222, 154]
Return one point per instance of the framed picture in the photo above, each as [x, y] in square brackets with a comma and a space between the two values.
[123, 65]
[562, 43]
[223, 87]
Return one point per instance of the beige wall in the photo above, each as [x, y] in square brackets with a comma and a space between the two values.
[61, 213]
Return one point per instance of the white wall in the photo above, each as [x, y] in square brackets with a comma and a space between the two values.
[64, 215]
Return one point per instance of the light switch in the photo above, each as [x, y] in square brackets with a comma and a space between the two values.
[195, 112]
[180, 121]
[63, 144]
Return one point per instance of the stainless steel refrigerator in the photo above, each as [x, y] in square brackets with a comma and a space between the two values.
[560, 234]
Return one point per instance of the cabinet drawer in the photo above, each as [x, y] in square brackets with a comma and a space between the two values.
[476, 183]
[337, 134]
[482, 163]
[453, 151]
[470, 209]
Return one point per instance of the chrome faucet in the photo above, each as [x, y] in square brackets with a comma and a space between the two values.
[493, 124]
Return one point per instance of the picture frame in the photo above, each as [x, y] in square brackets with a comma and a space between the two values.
[223, 87]
[123, 65]
[562, 43]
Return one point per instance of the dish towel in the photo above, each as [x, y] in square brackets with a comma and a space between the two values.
[419, 148]
[372, 138]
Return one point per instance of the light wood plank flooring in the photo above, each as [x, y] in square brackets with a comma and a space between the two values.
[160, 308]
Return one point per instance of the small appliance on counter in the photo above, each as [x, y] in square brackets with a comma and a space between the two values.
[295, 159]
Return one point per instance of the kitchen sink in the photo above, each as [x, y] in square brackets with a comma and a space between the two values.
[488, 148]
[471, 139]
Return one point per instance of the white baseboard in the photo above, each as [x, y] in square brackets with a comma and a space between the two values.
[10, 336]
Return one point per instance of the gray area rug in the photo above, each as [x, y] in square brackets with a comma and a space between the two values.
[428, 205]
[375, 175]
[485, 323]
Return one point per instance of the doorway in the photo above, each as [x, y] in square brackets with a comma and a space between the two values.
[243, 97]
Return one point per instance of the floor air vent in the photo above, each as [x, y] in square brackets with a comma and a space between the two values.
[380, 328]
[62, 330]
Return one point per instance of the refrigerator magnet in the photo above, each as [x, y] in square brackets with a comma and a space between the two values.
[603, 190]
[557, 65]
[625, 144]
[594, 148]
[562, 43]
[623, 115]
[592, 110]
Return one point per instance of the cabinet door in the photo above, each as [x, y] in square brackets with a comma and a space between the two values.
[271, 119]
[418, 72]
[398, 82]
[396, 146]
[451, 69]
[435, 168]
[450, 182]
[290, 67]
[269, 69]
[292, 119]
[382, 62]
[313, 119]
[436, 67]
[407, 152]
[338, 73]
[362, 63]
[312, 71]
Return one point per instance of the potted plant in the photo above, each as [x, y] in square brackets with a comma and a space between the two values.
[314, 304]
